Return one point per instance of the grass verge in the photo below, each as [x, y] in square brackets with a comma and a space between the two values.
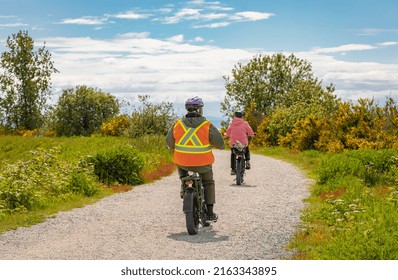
[352, 211]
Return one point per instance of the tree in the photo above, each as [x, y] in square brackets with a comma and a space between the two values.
[271, 82]
[82, 110]
[146, 119]
[151, 118]
[25, 82]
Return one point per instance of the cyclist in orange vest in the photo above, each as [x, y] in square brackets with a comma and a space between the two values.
[192, 138]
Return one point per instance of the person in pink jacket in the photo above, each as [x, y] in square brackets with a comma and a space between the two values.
[239, 130]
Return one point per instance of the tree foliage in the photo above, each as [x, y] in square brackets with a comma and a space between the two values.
[151, 118]
[146, 119]
[275, 92]
[25, 82]
[82, 110]
[271, 82]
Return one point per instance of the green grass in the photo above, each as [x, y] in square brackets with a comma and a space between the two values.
[14, 149]
[352, 212]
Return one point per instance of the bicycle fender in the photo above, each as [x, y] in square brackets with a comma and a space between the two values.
[187, 205]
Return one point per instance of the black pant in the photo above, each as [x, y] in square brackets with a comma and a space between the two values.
[247, 156]
[206, 175]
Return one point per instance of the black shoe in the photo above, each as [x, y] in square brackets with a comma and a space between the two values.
[233, 172]
[206, 224]
[212, 217]
[247, 164]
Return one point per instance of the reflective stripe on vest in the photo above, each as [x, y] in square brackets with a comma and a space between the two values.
[190, 135]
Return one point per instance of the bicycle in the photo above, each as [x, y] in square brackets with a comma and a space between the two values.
[240, 160]
[194, 205]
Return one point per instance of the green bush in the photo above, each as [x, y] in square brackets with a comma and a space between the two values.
[338, 165]
[80, 182]
[17, 190]
[30, 184]
[371, 166]
[120, 165]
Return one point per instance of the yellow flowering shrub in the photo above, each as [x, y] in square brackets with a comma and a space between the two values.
[304, 135]
[50, 133]
[115, 126]
[262, 134]
[27, 132]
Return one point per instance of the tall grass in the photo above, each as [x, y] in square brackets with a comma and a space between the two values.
[352, 213]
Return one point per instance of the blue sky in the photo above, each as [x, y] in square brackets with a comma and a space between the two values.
[175, 49]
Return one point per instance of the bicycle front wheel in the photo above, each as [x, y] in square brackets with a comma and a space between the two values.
[191, 213]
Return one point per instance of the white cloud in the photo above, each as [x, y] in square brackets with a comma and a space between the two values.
[213, 25]
[84, 21]
[216, 5]
[344, 48]
[387, 44]
[165, 10]
[17, 24]
[203, 15]
[213, 16]
[129, 65]
[132, 64]
[183, 14]
[177, 38]
[376, 31]
[354, 80]
[196, 2]
[130, 15]
[134, 35]
[253, 16]
[202, 12]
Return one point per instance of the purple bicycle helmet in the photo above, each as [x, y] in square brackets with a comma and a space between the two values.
[194, 103]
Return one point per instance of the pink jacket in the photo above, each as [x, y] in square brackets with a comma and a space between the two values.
[238, 130]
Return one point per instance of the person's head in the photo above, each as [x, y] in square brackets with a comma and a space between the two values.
[194, 104]
[239, 114]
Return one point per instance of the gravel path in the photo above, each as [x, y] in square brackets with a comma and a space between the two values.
[256, 221]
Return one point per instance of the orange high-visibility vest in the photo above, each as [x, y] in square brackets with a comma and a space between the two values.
[192, 144]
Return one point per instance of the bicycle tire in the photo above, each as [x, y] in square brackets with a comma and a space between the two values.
[238, 171]
[191, 213]
[243, 168]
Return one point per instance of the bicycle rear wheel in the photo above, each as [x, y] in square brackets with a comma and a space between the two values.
[239, 171]
[191, 213]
